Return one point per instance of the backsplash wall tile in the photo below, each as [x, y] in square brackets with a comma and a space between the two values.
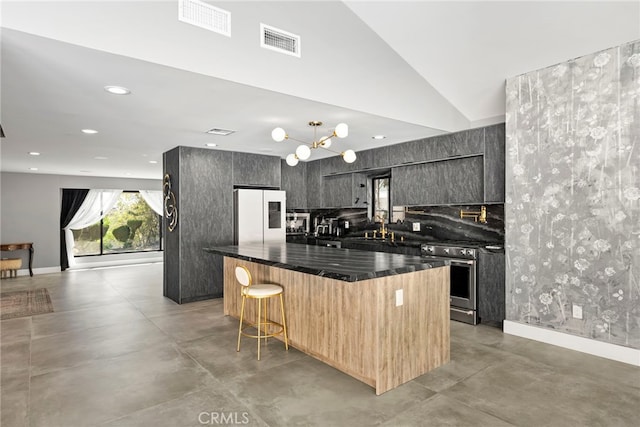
[573, 196]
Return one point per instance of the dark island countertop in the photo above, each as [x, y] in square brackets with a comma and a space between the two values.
[350, 265]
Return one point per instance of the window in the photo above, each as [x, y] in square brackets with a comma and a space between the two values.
[381, 198]
[130, 226]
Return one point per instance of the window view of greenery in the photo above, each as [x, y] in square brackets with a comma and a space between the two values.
[131, 226]
[381, 199]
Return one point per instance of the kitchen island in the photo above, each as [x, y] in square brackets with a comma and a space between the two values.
[382, 318]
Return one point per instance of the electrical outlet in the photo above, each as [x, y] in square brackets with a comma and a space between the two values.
[577, 311]
[346, 224]
[416, 226]
[399, 297]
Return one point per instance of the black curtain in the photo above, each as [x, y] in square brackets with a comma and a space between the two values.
[71, 201]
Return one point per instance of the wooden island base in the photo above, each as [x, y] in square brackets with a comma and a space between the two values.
[356, 327]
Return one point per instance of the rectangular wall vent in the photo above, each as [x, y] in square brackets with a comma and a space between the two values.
[279, 40]
[205, 16]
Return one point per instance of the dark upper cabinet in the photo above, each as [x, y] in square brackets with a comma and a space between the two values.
[494, 161]
[460, 168]
[437, 183]
[335, 164]
[349, 190]
[256, 170]
[294, 182]
[314, 184]
[360, 190]
[373, 159]
[337, 191]
[421, 184]
[463, 179]
[463, 143]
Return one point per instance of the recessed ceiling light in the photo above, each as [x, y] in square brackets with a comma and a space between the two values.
[117, 90]
[211, 144]
[89, 131]
[100, 158]
[128, 174]
[153, 162]
[85, 171]
[34, 153]
[378, 137]
[33, 169]
[218, 131]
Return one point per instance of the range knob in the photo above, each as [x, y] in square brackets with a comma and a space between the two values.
[463, 251]
[446, 250]
[429, 248]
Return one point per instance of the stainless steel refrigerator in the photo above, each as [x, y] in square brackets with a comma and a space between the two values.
[259, 216]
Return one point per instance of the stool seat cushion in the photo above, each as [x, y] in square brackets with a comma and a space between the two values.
[262, 290]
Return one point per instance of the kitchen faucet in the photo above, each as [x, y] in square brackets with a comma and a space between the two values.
[383, 231]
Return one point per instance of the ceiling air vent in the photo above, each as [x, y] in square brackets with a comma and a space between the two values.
[218, 131]
[279, 40]
[205, 16]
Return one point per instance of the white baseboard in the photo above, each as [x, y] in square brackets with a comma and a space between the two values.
[573, 342]
[57, 269]
[41, 270]
[115, 262]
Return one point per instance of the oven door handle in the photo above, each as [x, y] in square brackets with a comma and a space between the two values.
[467, 312]
[462, 261]
[451, 260]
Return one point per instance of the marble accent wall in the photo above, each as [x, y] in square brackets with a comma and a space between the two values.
[437, 223]
[443, 223]
[572, 206]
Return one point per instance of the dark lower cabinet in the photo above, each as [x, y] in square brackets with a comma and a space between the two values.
[491, 285]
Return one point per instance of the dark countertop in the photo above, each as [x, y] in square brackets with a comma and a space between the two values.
[350, 265]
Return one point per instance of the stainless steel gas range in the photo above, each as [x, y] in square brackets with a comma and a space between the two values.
[464, 273]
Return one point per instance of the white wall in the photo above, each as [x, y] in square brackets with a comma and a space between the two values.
[30, 211]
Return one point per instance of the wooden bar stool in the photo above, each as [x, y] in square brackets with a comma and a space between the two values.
[261, 293]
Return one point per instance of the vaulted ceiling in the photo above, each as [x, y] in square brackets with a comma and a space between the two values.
[405, 70]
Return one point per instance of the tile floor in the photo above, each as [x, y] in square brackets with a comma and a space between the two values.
[116, 353]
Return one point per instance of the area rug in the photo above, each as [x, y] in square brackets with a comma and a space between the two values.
[24, 303]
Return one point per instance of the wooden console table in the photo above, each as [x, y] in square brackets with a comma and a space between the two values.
[20, 246]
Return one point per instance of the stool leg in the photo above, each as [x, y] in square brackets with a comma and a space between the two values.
[284, 324]
[266, 325]
[241, 317]
[259, 315]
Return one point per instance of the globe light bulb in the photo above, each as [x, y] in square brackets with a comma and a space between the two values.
[278, 134]
[349, 156]
[292, 160]
[303, 152]
[326, 143]
[342, 130]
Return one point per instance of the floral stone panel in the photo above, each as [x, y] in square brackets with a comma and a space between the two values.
[572, 211]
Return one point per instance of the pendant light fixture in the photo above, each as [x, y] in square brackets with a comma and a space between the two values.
[303, 151]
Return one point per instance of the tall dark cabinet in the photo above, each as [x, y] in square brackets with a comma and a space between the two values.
[202, 181]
